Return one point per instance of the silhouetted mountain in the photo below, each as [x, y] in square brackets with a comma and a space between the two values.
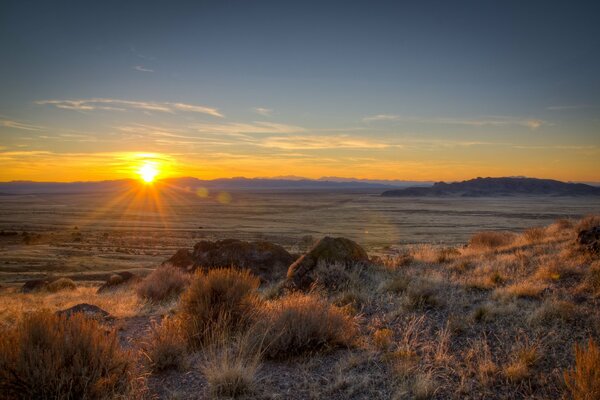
[492, 187]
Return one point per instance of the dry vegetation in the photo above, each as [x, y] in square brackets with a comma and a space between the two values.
[506, 316]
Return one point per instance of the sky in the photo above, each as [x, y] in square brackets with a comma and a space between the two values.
[427, 90]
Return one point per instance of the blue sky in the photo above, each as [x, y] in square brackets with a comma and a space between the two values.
[397, 90]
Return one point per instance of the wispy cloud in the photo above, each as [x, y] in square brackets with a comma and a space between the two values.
[315, 142]
[142, 69]
[124, 105]
[265, 112]
[532, 123]
[254, 127]
[9, 123]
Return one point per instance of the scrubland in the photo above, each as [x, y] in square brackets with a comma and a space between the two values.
[507, 315]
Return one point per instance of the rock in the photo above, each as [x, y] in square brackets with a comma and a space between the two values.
[89, 310]
[36, 285]
[266, 260]
[181, 259]
[590, 239]
[118, 280]
[335, 251]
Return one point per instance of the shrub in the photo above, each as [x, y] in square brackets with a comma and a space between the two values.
[163, 284]
[491, 239]
[47, 356]
[61, 284]
[230, 371]
[583, 381]
[593, 277]
[588, 222]
[421, 294]
[166, 348]
[535, 234]
[301, 323]
[224, 299]
[382, 339]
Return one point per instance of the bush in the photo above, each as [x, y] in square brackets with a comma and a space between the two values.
[491, 239]
[61, 284]
[535, 234]
[583, 381]
[47, 356]
[166, 348]
[301, 323]
[163, 284]
[422, 294]
[230, 369]
[224, 299]
[588, 222]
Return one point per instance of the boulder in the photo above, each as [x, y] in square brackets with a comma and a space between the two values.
[35, 285]
[590, 239]
[327, 251]
[118, 280]
[181, 259]
[266, 260]
[89, 310]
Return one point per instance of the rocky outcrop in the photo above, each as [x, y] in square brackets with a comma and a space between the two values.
[181, 259]
[35, 285]
[327, 251]
[118, 280]
[492, 187]
[266, 260]
[589, 239]
[89, 310]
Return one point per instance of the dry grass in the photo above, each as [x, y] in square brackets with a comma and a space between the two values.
[383, 339]
[60, 285]
[534, 235]
[553, 310]
[163, 284]
[588, 222]
[15, 304]
[221, 299]
[421, 294]
[522, 290]
[583, 380]
[301, 323]
[523, 359]
[491, 239]
[166, 348]
[47, 356]
[230, 369]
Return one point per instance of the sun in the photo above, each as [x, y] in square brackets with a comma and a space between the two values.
[148, 171]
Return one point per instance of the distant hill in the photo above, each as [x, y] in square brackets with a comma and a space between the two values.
[187, 183]
[495, 187]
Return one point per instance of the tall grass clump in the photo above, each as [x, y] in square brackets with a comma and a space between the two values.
[163, 284]
[301, 323]
[50, 357]
[588, 222]
[166, 348]
[491, 239]
[230, 368]
[223, 299]
[583, 381]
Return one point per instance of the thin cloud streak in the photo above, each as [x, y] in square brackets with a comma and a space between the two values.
[9, 123]
[142, 69]
[532, 123]
[265, 112]
[124, 105]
